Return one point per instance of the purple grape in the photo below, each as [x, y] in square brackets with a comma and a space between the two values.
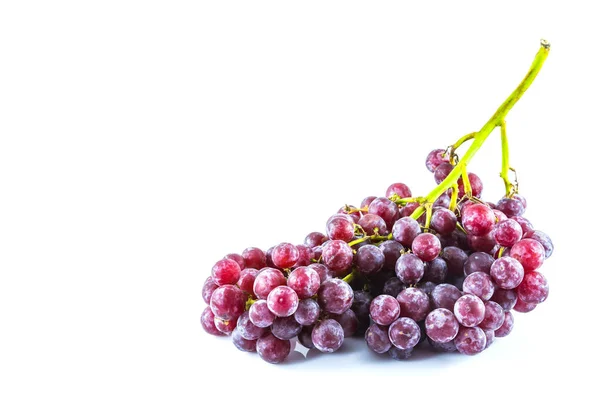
[367, 202]
[228, 302]
[445, 296]
[405, 230]
[455, 259]
[267, 280]
[207, 289]
[435, 158]
[510, 207]
[436, 270]
[484, 243]
[372, 224]
[476, 186]
[273, 350]
[241, 342]
[494, 316]
[400, 354]
[478, 262]
[305, 337]
[404, 333]
[335, 296]
[369, 259]
[524, 223]
[426, 246]
[505, 298]
[414, 303]
[410, 269]
[254, 258]
[384, 310]
[469, 310]
[393, 287]
[305, 255]
[386, 209]
[391, 251]
[443, 221]
[260, 315]
[322, 270]
[247, 329]
[246, 281]
[442, 347]
[489, 337]
[315, 239]
[207, 320]
[377, 339]
[308, 312]
[348, 322]
[470, 341]
[286, 328]
[442, 171]
[427, 287]
[543, 239]
[237, 258]
[305, 281]
[507, 325]
[523, 307]
[507, 272]
[337, 256]
[328, 336]
[479, 284]
[441, 325]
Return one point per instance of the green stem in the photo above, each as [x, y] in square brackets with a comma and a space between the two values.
[466, 181]
[486, 130]
[505, 159]
[454, 197]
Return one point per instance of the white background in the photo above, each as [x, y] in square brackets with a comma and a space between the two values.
[142, 141]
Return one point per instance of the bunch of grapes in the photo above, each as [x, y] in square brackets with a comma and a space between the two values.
[448, 279]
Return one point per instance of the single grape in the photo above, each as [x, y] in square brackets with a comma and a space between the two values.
[405, 230]
[384, 309]
[308, 312]
[237, 258]
[393, 287]
[328, 336]
[391, 251]
[337, 256]
[340, 227]
[322, 270]
[469, 310]
[436, 270]
[285, 255]
[426, 246]
[260, 315]
[305, 281]
[494, 316]
[226, 272]
[369, 259]
[267, 280]
[442, 347]
[282, 301]
[534, 288]
[335, 296]
[443, 221]
[435, 158]
[470, 341]
[285, 328]
[506, 298]
[317, 253]
[485, 243]
[507, 325]
[208, 288]
[348, 322]
[507, 272]
[254, 258]
[414, 303]
[225, 327]
[241, 342]
[479, 284]
[247, 329]
[442, 202]
[478, 219]
[305, 337]
[367, 201]
[305, 255]
[408, 209]
[544, 240]
[386, 209]
[507, 233]
[442, 171]
[269, 257]
[404, 333]
[410, 269]
[273, 350]
[400, 189]
[523, 307]
[246, 281]
[315, 239]
[530, 253]
[372, 224]
[207, 320]
[500, 216]
[400, 354]
[510, 207]
[228, 302]
[441, 325]
[478, 262]
[427, 287]
[455, 259]
[444, 296]
[524, 223]
[377, 339]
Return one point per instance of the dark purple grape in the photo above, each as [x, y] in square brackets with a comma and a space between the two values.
[400, 189]
[523, 307]
[227, 272]
[414, 303]
[254, 258]
[337, 256]
[207, 320]
[400, 354]
[207, 289]
[426, 246]
[479, 284]
[427, 287]
[308, 312]
[410, 269]
[444, 296]
[348, 322]
[393, 286]
[534, 288]
[443, 221]
[369, 259]
[455, 259]
[478, 219]
[286, 328]
[273, 350]
[246, 281]
[228, 302]
[507, 272]
[442, 171]
[391, 251]
[470, 341]
[247, 329]
[506, 298]
[530, 253]
[510, 207]
[469, 310]
[305, 281]
[335, 296]
[267, 280]
[315, 239]
[478, 262]
[404, 333]
[373, 224]
[507, 233]
[242, 343]
[436, 270]
[260, 315]
[441, 325]
[305, 337]
[494, 316]
[435, 158]
[442, 347]
[377, 339]
[361, 307]
[405, 230]
[285, 255]
[328, 336]
[543, 239]
[384, 310]
[507, 325]
[386, 209]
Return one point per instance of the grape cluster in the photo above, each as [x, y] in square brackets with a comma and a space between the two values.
[448, 279]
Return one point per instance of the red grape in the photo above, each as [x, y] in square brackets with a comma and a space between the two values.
[377, 339]
[207, 320]
[315, 239]
[404, 333]
[414, 303]
[405, 230]
[285, 255]
[410, 269]
[328, 336]
[308, 312]
[507, 233]
[267, 280]
[372, 223]
[384, 309]
[470, 341]
[246, 281]
[523, 307]
[335, 296]
[441, 325]
[369, 259]
[227, 272]
[530, 253]
[400, 189]
[285, 328]
[479, 284]
[435, 158]
[444, 296]
[507, 272]
[348, 321]
[247, 329]
[494, 316]
[254, 258]
[478, 219]
[241, 342]
[305, 281]
[337, 255]
[469, 310]
[478, 262]
[506, 326]
[228, 302]
[260, 315]
[273, 350]
[510, 207]
[207, 289]
[534, 288]
[506, 298]
[443, 221]
[544, 240]
[282, 301]
[426, 246]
